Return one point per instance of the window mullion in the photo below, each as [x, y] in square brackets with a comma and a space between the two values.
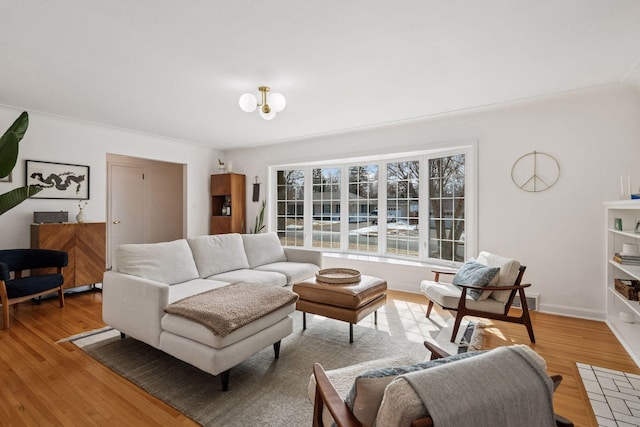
[382, 208]
[308, 207]
[344, 208]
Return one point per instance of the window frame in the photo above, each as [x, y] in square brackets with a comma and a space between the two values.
[468, 148]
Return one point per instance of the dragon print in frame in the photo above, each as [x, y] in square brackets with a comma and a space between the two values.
[58, 180]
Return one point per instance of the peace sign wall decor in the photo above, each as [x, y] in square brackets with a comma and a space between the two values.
[535, 172]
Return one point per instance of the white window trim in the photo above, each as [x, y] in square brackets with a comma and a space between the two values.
[467, 147]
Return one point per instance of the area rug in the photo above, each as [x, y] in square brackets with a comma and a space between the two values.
[263, 391]
[614, 395]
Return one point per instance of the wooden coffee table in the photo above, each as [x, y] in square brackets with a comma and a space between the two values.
[347, 302]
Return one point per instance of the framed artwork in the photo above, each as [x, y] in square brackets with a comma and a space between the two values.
[58, 180]
[7, 178]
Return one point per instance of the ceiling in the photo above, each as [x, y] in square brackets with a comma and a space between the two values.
[177, 68]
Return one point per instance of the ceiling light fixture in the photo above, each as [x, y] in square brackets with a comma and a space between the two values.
[248, 102]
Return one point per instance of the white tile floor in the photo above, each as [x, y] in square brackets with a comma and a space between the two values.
[614, 395]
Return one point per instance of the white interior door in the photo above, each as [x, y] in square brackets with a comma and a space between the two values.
[127, 206]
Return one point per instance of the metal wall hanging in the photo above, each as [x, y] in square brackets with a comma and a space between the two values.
[535, 172]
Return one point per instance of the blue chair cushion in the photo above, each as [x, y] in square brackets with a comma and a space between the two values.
[25, 286]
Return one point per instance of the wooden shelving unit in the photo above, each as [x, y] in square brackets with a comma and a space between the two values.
[627, 333]
[228, 189]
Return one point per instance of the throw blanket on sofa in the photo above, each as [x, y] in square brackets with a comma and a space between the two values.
[507, 386]
[225, 309]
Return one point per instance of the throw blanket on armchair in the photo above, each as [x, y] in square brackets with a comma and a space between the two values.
[223, 310]
[507, 386]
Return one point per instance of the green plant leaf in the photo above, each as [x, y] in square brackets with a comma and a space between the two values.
[8, 153]
[9, 144]
[16, 196]
[20, 125]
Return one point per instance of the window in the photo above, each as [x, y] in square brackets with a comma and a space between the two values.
[403, 206]
[326, 208]
[447, 208]
[363, 208]
[290, 205]
[415, 207]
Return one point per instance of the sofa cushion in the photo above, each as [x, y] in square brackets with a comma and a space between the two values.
[217, 254]
[184, 327]
[252, 276]
[295, 271]
[165, 262]
[193, 287]
[263, 249]
[366, 393]
[476, 274]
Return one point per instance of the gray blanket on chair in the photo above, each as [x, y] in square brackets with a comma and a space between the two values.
[507, 386]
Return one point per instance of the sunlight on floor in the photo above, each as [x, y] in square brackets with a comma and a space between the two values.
[407, 320]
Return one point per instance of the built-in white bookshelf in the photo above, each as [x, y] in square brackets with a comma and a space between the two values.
[618, 306]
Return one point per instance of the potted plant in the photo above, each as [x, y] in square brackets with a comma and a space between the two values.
[9, 143]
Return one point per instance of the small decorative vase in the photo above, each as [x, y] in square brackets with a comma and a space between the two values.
[80, 216]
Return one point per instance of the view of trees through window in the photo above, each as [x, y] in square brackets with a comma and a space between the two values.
[290, 207]
[367, 218]
[446, 208]
[403, 204]
[326, 208]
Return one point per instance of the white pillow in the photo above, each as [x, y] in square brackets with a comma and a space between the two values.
[166, 262]
[263, 249]
[218, 254]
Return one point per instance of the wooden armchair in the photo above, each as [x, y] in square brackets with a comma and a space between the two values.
[327, 396]
[20, 289]
[503, 290]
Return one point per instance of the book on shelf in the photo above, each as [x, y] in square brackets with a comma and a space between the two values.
[627, 259]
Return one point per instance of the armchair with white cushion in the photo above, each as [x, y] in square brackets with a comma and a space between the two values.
[484, 287]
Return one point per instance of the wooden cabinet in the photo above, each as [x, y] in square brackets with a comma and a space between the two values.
[85, 243]
[228, 199]
[623, 314]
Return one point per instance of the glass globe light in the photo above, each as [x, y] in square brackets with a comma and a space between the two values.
[248, 102]
[277, 102]
[267, 116]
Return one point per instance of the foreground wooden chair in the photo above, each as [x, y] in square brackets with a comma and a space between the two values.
[20, 289]
[327, 396]
[495, 300]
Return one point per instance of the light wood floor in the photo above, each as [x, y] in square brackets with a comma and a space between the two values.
[50, 384]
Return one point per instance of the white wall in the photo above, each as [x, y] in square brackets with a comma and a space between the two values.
[559, 233]
[62, 140]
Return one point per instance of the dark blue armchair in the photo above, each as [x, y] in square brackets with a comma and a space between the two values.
[20, 289]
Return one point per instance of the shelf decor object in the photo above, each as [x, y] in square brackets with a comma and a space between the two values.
[536, 171]
[623, 274]
[268, 107]
[338, 276]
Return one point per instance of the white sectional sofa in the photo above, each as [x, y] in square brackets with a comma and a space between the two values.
[148, 277]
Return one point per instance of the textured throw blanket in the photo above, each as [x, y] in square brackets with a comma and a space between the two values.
[507, 386]
[223, 310]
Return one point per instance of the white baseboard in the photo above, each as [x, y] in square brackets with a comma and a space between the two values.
[579, 313]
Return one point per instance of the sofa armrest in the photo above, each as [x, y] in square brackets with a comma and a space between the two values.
[304, 255]
[134, 305]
